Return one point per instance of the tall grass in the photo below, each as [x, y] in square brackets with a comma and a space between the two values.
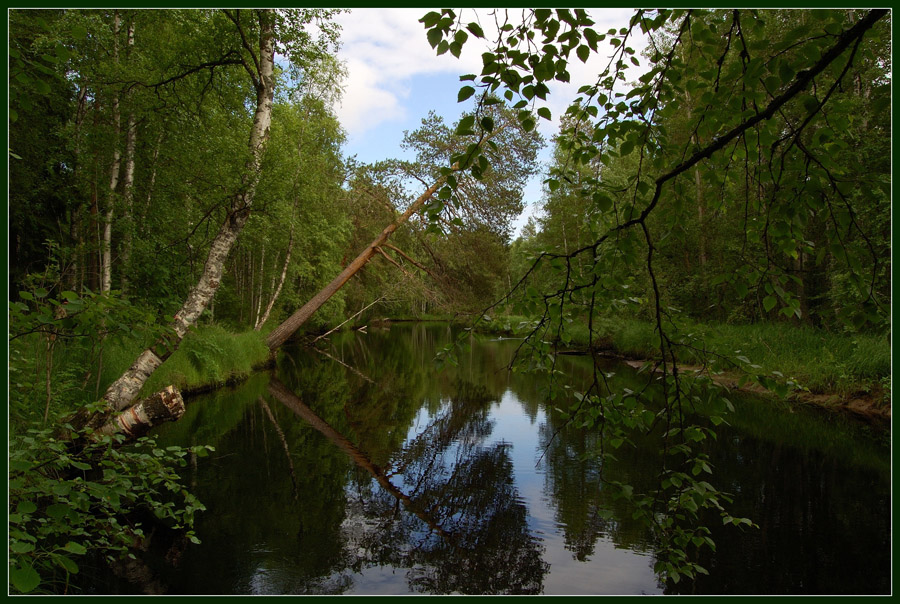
[209, 356]
[822, 361]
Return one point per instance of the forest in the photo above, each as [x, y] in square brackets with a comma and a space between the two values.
[181, 207]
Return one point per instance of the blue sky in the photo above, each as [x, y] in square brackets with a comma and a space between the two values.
[394, 80]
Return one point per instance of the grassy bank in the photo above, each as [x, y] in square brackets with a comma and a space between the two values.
[207, 357]
[821, 361]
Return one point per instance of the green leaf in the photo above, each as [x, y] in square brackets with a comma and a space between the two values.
[769, 303]
[475, 30]
[603, 202]
[67, 563]
[21, 547]
[465, 125]
[58, 511]
[24, 579]
[26, 507]
[544, 112]
[75, 548]
[583, 53]
[430, 19]
[464, 93]
[434, 37]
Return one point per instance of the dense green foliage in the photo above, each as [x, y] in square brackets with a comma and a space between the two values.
[128, 130]
[65, 502]
[741, 174]
[128, 135]
[814, 360]
[737, 183]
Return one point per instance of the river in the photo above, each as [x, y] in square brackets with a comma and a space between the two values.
[363, 469]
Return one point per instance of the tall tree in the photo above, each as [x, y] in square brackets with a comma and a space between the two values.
[258, 40]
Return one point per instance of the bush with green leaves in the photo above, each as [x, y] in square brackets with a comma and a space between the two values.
[73, 493]
[743, 165]
[64, 347]
[71, 496]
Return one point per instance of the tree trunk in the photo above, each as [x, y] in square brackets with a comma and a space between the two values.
[152, 183]
[124, 390]
[284, 270]
[293, 402]
[164, 406]
[284, 331]
[93, 246]
[94, 235]
[262, 267]
[106, 245]
[128, 181]
[75, 229]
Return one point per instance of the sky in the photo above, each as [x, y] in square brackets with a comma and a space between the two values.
[395, 78]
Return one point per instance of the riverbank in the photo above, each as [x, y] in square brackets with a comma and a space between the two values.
[210, 357]
[836, 371]
[846, 372]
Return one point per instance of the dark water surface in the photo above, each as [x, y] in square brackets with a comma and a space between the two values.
[382, 475]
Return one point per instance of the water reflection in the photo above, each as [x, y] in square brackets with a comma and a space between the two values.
[466, 531]
[393, 478]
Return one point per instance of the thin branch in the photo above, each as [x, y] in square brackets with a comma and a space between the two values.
[254, 75]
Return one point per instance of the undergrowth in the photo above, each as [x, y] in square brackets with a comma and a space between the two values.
[819, 360]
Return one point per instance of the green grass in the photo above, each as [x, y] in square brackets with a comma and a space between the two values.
[822, 361]
[209, 356]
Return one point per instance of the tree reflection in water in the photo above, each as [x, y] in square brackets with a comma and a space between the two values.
[466, 530]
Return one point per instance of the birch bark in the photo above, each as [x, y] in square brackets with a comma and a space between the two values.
[106, 245]
[124, 390]
[128, 180]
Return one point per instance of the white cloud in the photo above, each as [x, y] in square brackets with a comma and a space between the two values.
[384, 49]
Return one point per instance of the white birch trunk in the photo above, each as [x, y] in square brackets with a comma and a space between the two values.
[284, 270]
[106, 245]
[125, 389]
[259, 291]
[128, 182]
[152, 183]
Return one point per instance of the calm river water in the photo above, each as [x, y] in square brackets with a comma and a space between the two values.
[371, 472]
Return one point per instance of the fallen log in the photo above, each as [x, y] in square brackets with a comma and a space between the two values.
[167, 405]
